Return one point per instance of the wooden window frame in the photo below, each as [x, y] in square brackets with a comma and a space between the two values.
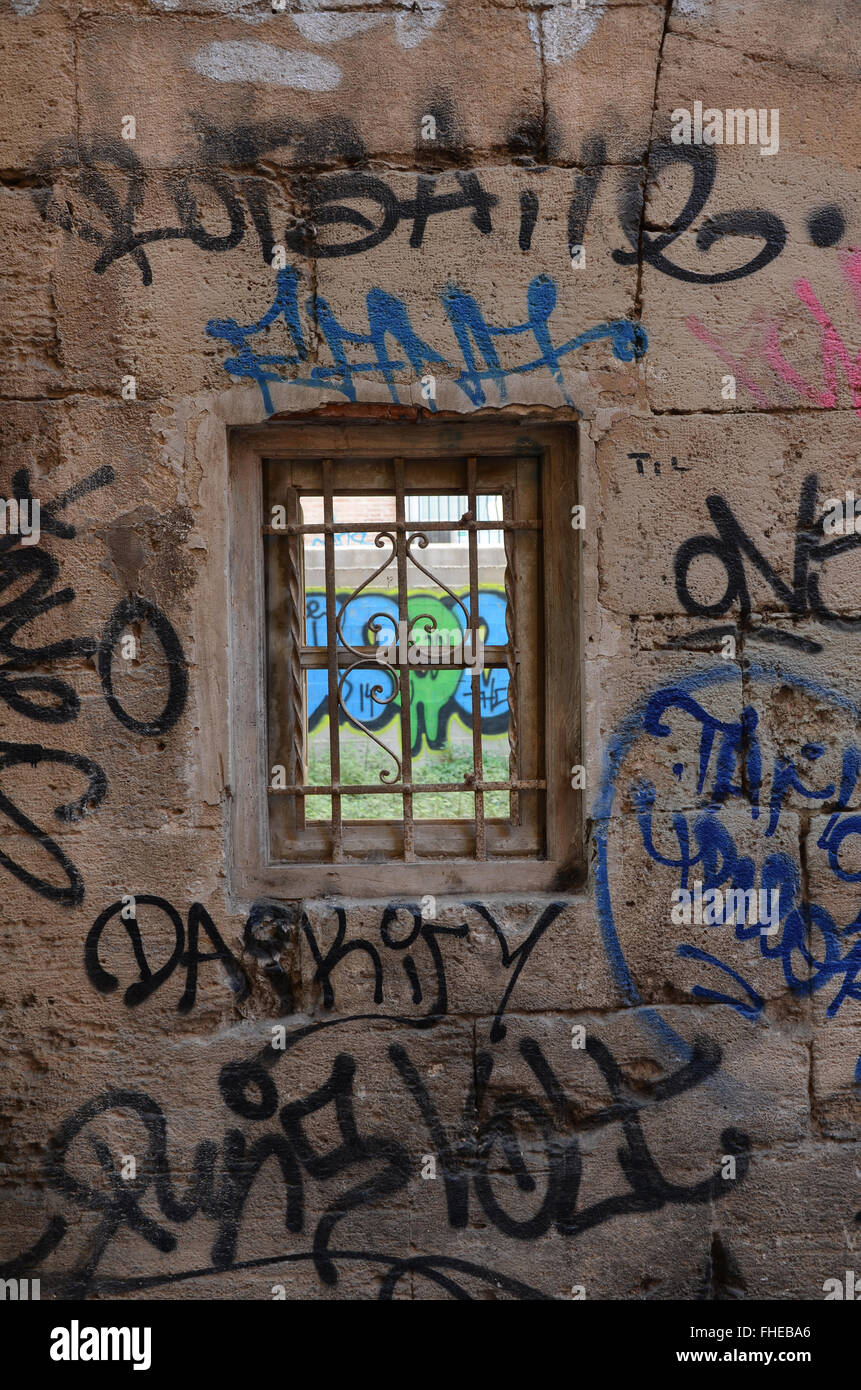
[253, 870]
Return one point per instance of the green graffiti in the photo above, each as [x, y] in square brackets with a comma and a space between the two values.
[437, 693]
[431, 689]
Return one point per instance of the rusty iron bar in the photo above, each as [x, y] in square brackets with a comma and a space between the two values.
[477, 754]
[511, 655]
[403, 674]
[332, 650]
[324, 528]
[295, 640]
[316, 657]
[398, 788]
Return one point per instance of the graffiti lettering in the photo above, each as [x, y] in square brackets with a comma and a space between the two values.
[437, 696]
[198, 920]
[223, 1174]
[332, 199]
[388, 317]
[50, 699]
[271, 929]
[759, 346]
[748, 223]
[729, 768]
[732, 546]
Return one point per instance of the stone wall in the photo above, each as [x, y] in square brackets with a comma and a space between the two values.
[566, 1096]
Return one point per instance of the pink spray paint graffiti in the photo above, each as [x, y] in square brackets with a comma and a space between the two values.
[763, 346]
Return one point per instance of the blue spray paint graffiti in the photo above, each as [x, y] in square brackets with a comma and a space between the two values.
[438, 695]
[388, 317]
[812, 950]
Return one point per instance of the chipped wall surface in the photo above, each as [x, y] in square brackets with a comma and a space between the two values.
[615, 1104]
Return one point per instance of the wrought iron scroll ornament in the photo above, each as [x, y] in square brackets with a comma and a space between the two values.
[384, 664]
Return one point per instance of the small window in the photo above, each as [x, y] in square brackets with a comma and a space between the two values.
[408, 595]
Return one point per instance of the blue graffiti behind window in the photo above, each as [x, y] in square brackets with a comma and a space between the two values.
[456, 702]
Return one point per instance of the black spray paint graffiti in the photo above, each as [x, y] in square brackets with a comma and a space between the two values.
[406, 951]
[732, 546]
[750, 222]
[223, 1175]
[148, 981]
[225, 1171]
[50, 699]
[111, 178]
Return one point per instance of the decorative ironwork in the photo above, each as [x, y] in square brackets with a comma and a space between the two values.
[477, 752]
[344, 658]
[422, 540]
[385, 775]
[363, 660]
[379, 540]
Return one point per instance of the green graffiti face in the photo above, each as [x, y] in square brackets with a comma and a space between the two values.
[431, 688]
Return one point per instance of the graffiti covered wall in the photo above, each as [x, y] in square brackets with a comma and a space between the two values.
[221, 212]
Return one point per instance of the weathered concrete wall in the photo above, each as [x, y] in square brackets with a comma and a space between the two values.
[705, 1140]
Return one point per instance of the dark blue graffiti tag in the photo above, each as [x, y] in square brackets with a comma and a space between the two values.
[812, 950]
[388, 317]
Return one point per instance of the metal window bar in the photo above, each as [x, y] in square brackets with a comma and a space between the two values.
[511, 657]
[318, 528]
[397, 788]
[334, 656]
[477, 757]
[297, 712]
[403, 672]
[332, 652]
[445, 507]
